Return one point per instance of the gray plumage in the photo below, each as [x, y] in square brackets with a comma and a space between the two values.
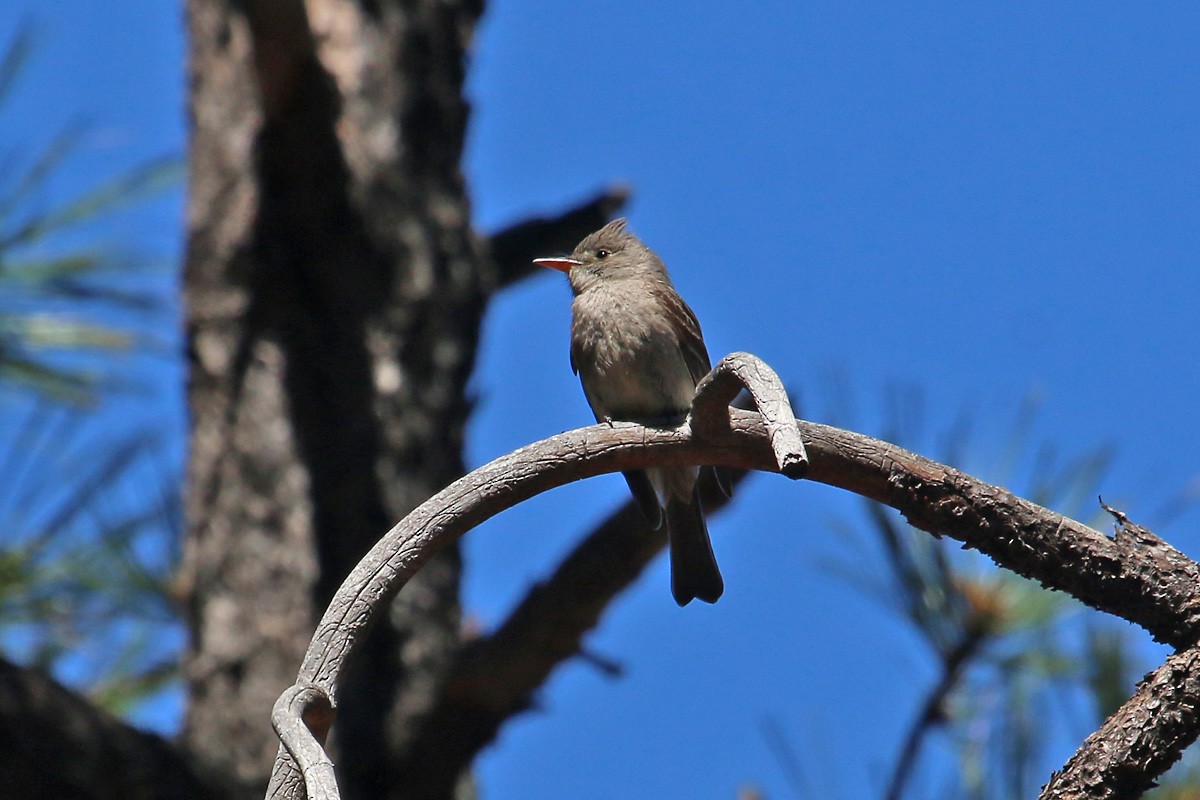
[639, 353]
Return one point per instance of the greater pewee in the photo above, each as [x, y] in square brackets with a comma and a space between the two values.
[639, 353]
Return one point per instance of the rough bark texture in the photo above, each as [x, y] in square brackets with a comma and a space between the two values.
[1140, 741]
[334, 292]
[249, 569]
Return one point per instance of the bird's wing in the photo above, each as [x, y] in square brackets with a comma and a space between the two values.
[695, 355]
[574, 366]
[689, 337]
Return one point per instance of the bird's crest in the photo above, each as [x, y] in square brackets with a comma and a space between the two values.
[616, 226]
[614, 237]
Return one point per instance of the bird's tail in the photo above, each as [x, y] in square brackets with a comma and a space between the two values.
[694, 572]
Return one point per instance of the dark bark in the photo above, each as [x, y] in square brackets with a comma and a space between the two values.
[1140, 741]
[248, 569]
[334, 291]
[59, 745]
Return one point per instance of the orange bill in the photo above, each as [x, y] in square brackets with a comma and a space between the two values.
[561, 263]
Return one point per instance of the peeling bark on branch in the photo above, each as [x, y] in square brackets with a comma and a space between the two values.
[1140, 741]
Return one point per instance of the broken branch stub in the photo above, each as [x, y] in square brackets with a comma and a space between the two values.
[737, 371]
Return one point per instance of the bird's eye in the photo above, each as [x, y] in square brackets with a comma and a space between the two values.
[602, 253]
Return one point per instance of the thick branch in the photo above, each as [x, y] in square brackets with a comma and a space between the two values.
[1145, 582]
[56, 744]
[514, 248]
[1140, 741]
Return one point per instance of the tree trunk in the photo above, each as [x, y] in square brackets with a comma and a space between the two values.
[334, 292]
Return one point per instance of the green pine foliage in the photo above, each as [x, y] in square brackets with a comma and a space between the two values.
[90, 511]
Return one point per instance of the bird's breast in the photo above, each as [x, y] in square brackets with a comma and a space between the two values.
[628, 356]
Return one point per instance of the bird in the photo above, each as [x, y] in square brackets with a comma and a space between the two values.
[639, 353]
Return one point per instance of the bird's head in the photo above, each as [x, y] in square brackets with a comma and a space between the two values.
[611, 253]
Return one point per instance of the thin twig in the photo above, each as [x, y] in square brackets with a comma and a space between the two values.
[932, 711]
[737, 371]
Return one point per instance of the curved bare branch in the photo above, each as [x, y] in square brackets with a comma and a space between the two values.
[302, 717]
[497, 676]
[1142, 580]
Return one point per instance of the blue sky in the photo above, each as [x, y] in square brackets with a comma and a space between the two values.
[981, 202]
